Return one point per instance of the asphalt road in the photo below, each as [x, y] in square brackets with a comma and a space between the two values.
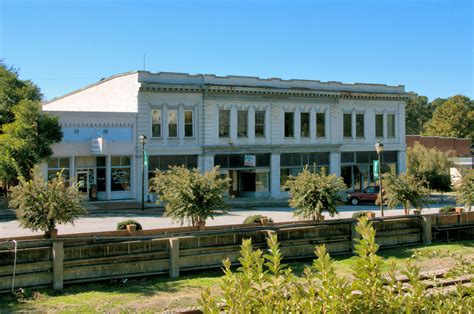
[154, 219]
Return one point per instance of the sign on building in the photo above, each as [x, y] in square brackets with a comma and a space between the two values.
[98, 146]
[250, 160]
[376, 169]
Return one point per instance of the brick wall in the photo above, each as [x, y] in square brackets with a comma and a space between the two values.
[460, 146]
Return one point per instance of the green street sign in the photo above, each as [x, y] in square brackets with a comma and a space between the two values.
[145, 161]
[376, 169]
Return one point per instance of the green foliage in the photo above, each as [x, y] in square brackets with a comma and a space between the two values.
[312, 193]
[417, 114]
[12, 91]
[123, 224]
[360, 214]
[41, 205]
[453, 118]
[190, 195]
[405, 190]
[447, 209]
[264, 285]
[430, 165]
[255, 219]
[465, 190]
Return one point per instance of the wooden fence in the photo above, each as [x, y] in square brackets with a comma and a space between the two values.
[90, 257]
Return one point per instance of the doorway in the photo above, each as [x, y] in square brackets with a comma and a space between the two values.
[85, 178]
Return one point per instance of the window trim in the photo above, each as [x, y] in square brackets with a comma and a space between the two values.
[160, 110]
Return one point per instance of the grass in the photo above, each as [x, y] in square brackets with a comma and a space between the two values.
[161, 293]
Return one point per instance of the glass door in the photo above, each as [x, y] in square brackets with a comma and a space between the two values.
[82, 179]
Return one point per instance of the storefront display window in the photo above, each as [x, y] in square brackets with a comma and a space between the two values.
[56, 165]
[120, 169]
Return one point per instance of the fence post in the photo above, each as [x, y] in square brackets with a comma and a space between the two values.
[174, 257]
[58, 265]
[426, 226]
[354, 235]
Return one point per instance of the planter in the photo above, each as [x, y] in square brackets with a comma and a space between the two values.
[370, 215]
[53, 233]
[264, 220]
[320, 218]
[459, 209]
[132, 228]
[417, 212]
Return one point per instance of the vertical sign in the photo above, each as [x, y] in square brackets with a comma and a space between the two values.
[376, 169]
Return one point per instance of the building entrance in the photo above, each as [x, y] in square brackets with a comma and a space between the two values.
[85, 178]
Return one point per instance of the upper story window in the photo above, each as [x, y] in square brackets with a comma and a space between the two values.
[320, 124]
[156, 123]
[360, 125]
[259, 123]
[304, 124]
[379, 125]
[242, 123]
[347, 125]
[188, 123]
[391, 125]
[289, 123]
[224, 123]
[172, 123]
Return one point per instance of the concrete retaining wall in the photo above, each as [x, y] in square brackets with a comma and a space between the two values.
[105, 255]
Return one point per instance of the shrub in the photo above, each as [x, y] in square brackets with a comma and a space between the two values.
[41, 205]
[465, 190]
[190, 195]
[447, 209]
[360, 214]
[405, 190]
[263, 284]
[312, 193]
[255, 219]
[123, 224]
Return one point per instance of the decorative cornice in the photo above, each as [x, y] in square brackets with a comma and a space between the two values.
[268, 93]
[265, 148]
[96, 125]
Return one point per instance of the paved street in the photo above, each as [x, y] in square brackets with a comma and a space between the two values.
[154, 219]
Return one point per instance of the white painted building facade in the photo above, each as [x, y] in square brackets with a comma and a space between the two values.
[258, 131]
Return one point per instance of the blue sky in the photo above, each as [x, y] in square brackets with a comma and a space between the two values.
[64, 45]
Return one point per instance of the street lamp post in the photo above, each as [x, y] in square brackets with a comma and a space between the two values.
[142, 139]
[379, 149]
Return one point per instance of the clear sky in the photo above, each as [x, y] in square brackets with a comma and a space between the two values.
[64, 45]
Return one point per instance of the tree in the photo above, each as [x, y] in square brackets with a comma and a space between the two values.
[190, 195]
[12, 91]
[431, 165]
[405, 190]
[312, 193]
[41, 205]
[453, 118]
[465, 190]
[27, 140]
[417, 114]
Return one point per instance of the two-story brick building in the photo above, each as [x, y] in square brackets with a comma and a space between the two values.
[259, 131]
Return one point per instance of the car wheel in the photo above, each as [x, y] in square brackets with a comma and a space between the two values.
[354, 201]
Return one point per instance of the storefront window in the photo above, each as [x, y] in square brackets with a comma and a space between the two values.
[291, 164]
[120, 173]
[101, 174]
[56, 165]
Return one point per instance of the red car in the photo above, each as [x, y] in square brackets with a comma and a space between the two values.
[369, 194]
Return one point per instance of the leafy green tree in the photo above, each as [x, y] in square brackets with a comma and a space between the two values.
[405, 190]
[12, 91]
[465, 190]
[431, 165]
[417, 114]
[28, 139]
[191, 196]
[41, 205]
[453, 118]
[312, 193]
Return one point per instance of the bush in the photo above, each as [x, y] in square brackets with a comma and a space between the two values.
[264, 285]
[360, 214]
[312, 193]
[405, 190]
[255, 219]
[123, 224]
[447, 209]
[465, 190]
[41, 205]
[191, 196]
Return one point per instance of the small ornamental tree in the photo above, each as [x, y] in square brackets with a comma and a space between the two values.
[405, 190]
[465, 190]
[41, 205]
[312, 193]
[190, 195]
